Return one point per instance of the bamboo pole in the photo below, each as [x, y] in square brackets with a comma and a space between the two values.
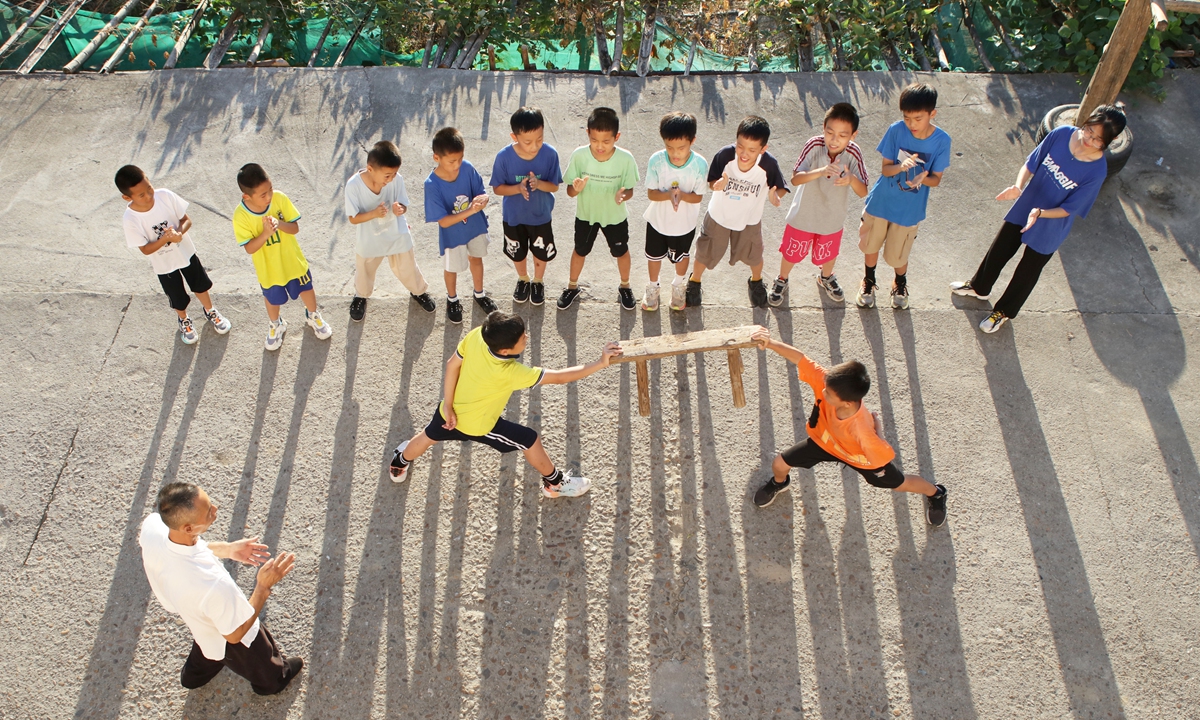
[936, 42]
[312, 59]
[83, 55]
[687, 69]
[468, 59]
[1118, 57]
[601, 39]
[186, 35]
[258, 46]
[354, 37]
[619, 39]
[48, 39]
[969, 21]
[115, 58]
[29, 21]
[213, 60]
[649, 28]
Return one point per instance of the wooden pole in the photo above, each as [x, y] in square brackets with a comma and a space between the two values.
[643, 388]
[341, 58]
[936, 43]
[115, 58]
[213, 60]
[48, 39]
[258, 46]
[735, 378]
[29, 21]
[1159, 13]
[649, 30]
[1118, 57]
[185, 35]
[312, 59]
[78, 61]
[969, 22]
[619, 39]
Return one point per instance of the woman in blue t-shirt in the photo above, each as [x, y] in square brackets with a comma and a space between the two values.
[1059, 181]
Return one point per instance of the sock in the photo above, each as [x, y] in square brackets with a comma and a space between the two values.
[480, 293]
[536, 281]
[787, 479]
[870, 274]
[523, 278]
[554, 478]
[451, 298]
[781, 279]
[756, 279]
[400, 462]
[690, 280]
[656, 284]
[625, 284]
[573, 284]
[901, 280]
[679, 280]
[826, 277]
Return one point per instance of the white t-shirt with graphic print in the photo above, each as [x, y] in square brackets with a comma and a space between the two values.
[143, 228]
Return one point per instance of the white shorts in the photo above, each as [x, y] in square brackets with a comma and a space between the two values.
[456, 259]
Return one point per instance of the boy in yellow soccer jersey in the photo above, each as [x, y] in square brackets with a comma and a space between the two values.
[265, 223]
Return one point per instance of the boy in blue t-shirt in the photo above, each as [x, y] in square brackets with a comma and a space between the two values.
[526, 175]
[455, 199]
[915, 154]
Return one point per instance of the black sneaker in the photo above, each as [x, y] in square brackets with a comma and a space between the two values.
[766, 494]
[521, 294]
[758, 293]
[935, 511]
[454, 311]
[691, 296]
[358, 308]
[485, 303]
[568, 296]
[294, 666]
[425, 302]
[537, 292]
[625, 297]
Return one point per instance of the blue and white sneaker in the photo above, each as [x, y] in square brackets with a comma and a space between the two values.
[275, 331]
[320, 328]
[219, 322]
[187, 333]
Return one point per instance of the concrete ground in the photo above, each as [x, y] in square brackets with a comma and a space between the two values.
[1065, 584]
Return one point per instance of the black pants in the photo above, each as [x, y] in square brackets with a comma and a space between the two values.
[1024, 278]
[262, 664]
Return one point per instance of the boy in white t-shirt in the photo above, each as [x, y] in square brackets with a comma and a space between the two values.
[156, 223]
[675, 181]
[376, 203]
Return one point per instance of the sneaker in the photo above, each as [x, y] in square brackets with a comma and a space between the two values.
[427, 304]
[775, 298]
[650, 298]
[678, 296]
[486, 304]
[831, 288]
[900, 296]
[766, 494]
[454, 311]
[866, 294]
[992, 322]
[537, 292]
[963, 288]
[219, 322]
[625, 297]
[521, 293]
[692, 294]
[935, 511]
[187, 333]
[758, 293]
[399, 474]
[569, 487]
[318, 324]
[275, 331]
[358, 308]
[569, 294]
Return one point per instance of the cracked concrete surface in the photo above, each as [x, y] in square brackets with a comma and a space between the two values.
[1064, 585]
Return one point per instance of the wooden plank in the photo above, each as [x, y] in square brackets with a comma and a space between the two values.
[12, 41]
[1118, 57]
[83, 55]
[1183, 6]
[228, 33]
[643, 388]
[661, 346]
[119, 53]
[186, 35]
[48, 39]
[735, 378]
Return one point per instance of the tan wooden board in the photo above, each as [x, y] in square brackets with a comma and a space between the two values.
[660, 346]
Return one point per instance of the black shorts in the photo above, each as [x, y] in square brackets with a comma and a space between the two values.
[672, 247]
[197, 280]
[506, 436]
[520, 240]
[807, 453]
[617, 237]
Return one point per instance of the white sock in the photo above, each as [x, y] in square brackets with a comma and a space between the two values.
[452, 298]
[480, 293]
[679, 280]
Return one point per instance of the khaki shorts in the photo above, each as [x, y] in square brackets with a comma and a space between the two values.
[458, 259]
[896, 240]
[403, 265]
[745, 245]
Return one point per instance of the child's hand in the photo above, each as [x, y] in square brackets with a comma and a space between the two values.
[611, 350]
[761, 337]
[171, 236]
[841, 180]
[720, 184]
[579, 182]
[381, 211]
[399, 209]
[1012, 192]
[910, 162]
[1034, 214]
[676, 198]
[621, 196]
[920, 178]
[270, 225]
[479, 202]
[450, 417]
[833, 170]
[775, 195]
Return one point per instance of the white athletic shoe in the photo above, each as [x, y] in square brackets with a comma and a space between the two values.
[318, 324]
[275, 331]
[569, 487]
[650, 298]
[399, 474]
[963, 288]
[219, 322]
[992, 322]
[679, 295]
[187, 332]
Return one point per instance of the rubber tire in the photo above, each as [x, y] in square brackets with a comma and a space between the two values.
[1118, 151]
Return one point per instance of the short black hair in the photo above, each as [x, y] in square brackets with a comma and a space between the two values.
[176, 501]
[677, 126]
[384, 154]
[849, 381]
[448, 141]
[604, 119]
[918, 97]
[1111, 121]
[502, 331]
[526, 119]
[755, 128]
[127, 177]
[251, 176]
[842, 111]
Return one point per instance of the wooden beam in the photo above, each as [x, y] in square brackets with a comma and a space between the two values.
[643, 388]
[48, 39]
[228, 33]
[1183, 6]
[83, 55]
[115, 59]
[354, 38]
[661, 346]
[1118, 57]
[735, 378]
[186, 35]
[312, 59]
[258, 45]
[12, 41]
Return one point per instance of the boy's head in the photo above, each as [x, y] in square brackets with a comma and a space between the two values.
[918, 104]
[603, 129]
[678, 131]
[752, 136]
[256, 186]
[383, 161]
[448, 149]
[134, 186]
[847, 383]
[841, 126]
[185, 508]
[528, 131]
[504, 334]
[1105, 123]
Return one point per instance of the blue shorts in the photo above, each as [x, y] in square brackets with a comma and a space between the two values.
[279, 294]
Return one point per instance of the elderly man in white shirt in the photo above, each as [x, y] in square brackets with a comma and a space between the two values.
[188, 579]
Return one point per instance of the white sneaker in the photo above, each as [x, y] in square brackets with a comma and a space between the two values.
[963, 288]
[650, 298]
[569, 487]
[992, 322]
[399, 474]
[187, 332]
[219, 322]
[866, 294]
[679, 295]
[318, 324]
[275, 331]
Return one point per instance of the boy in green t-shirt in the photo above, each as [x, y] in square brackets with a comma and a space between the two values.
[602, 176]
[480, 378]
[265, 223]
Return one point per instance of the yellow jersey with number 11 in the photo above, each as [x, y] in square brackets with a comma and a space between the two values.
[279, 260]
